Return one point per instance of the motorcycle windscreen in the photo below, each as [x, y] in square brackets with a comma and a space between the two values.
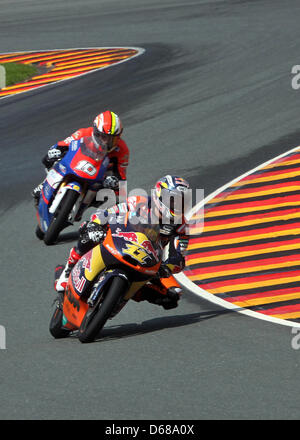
[138, 244]
[84, 160]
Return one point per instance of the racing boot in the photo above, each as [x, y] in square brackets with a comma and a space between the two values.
[59, 299]
[166, 297]
[61, 283]
[173, 292]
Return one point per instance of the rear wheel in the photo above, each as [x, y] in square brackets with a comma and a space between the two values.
[60, 219]
[96, 317]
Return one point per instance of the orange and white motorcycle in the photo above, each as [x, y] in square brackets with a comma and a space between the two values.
[105, 278]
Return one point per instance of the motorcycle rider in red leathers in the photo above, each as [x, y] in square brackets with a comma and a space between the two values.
[162, 290]
[106, 133]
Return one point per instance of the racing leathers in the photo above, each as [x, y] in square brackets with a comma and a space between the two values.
[118, 160]
[162, 290]
[118, 157]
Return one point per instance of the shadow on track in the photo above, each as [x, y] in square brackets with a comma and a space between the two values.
[157, 324]
[116, 332]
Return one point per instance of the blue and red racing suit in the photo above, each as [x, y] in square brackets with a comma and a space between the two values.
[118, 157]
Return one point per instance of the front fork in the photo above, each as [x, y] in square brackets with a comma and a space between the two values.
[97, 292]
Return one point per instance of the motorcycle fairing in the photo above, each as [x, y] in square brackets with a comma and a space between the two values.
[86, 270]
[133, 249]
[75, 162]
[79, 283]
[107, 260]
[74, 309]
[50, 185]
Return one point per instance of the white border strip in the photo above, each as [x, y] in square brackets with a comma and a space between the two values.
[140, 51]
[188, 284]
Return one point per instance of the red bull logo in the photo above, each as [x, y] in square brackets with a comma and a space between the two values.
[133, 237]
[149, 248]
[128, 236]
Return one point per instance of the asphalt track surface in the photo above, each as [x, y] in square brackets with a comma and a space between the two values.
[210, 99]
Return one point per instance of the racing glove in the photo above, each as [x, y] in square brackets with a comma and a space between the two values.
[54, 153]
[91, 232]
[181, 244]
[52, 156]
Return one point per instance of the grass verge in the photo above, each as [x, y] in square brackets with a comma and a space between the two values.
[16, 73]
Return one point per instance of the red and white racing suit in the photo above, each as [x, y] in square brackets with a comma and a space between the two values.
[119, 157]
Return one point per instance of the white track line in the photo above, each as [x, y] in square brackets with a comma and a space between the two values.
[139, 49]
[188, 284]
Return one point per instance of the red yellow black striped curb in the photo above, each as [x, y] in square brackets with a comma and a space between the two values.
[247, 250]
[64, 64]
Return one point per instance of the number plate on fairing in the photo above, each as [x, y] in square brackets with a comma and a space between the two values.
[54, 178]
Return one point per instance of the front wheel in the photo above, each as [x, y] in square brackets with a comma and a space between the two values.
[60, 218]
[55, 326]
[96, 318]
[39, 233]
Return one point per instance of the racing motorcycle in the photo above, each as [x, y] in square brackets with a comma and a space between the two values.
[105, 278]
[69, 188]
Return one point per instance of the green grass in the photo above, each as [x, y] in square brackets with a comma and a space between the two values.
[16, 73]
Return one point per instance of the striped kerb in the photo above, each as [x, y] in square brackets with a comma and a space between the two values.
[248, 249]
[63, 64]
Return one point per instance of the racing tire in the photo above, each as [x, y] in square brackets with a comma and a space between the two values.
[60, 219]
[96, 317]
[39, 233]
[55, 326]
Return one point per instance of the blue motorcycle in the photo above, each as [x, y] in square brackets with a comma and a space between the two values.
[70, 188]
